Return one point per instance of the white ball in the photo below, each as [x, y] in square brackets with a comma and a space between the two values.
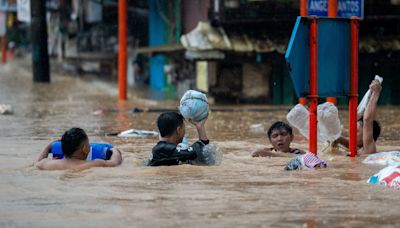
[194, 105]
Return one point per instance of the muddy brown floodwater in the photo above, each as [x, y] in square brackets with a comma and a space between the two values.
[241, 192]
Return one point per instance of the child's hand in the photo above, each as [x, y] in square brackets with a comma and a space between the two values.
[199, 124]
[375, 86]
[201, 129]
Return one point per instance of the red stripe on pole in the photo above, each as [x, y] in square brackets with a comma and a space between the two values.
[313, 97]
[332, 8]
[122, 49]
[303, 8]
[303, 13]
[332, 12]
[353, 86]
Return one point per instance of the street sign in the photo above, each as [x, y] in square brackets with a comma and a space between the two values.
[346, 8]
[24, 10]
[333, 57]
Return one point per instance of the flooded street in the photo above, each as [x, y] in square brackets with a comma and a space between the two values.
[241, 192]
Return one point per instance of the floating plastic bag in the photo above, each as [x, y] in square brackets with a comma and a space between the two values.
[138, 133]
[298, 118]
[307, 160]
[296, 163]
[210, 155]
[311, 161]
[364, 102]
[383, 158]
[329, 128]
[194, 105]
[389, 177]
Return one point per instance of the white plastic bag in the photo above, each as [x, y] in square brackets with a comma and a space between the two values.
[298, 118]
[329, 128]
[364, 102]
[383, 158]
[210, 155]
[389, 177]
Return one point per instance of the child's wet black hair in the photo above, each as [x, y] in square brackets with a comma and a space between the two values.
[279, 125]
[72, 140]
[168, 122]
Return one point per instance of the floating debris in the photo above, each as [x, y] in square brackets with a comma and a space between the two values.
[6, 109]
[138, 133]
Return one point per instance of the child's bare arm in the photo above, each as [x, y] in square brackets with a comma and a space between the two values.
[342, 141]
[369, 117]
[201, 129]
[44, 154]
[116, 158]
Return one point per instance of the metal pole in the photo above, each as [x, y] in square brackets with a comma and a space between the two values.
[332, 12]
[40, 56]
[303, 8]
[313, 97]
[122, 52]
[353, 86]
[303, 13]
[332, 8]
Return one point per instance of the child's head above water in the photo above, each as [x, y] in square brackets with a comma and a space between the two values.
[170, 124]
[73, 140]
[280, 135]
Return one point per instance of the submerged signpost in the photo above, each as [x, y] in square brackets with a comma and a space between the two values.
[345, 8]
[322, 57]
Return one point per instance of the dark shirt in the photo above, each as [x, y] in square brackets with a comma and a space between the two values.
[291, 150]
[296, 151]
[171, 154]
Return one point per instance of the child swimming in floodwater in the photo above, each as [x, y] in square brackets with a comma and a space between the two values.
[75, 146]
[368, 129]
[169, 150]
[280, 136]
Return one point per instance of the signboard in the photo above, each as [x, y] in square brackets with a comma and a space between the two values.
[333, 57]
[346, 8]
[24, 10]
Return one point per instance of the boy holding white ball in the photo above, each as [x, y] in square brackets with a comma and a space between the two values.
[169, 150]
